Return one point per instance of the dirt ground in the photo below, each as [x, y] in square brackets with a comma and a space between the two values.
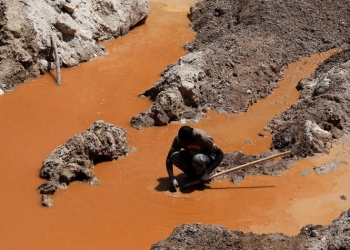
[315, 237]
[240, 50]
[239, 53]
[26, 28]
[75, 158]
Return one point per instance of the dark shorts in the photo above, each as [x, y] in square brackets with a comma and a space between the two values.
[193, 166]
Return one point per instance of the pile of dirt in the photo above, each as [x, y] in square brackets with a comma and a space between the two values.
[273, 167]
[335, 236]
[26, 28]
[240, 49]
[321, 115]
[74, 159]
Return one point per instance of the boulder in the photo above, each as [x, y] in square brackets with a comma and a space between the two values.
[77, 25]
[75, 158]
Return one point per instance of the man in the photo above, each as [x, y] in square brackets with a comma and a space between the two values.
[199, 157]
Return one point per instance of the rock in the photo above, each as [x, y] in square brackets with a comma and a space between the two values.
[66, 24]
[198, 236]
[180, 101]
[243, 50]
[27, 26]
[322, 87]
[1, 92]
[321, 139]
[314, 233]
[84, 34]
[302, 83]
[68, 7]
[74, 159]
[46, 201]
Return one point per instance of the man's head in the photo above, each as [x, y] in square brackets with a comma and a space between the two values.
[185, 135]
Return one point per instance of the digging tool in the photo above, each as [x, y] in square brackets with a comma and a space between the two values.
[193, 183]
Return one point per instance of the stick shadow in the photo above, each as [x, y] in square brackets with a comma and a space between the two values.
[164, 185]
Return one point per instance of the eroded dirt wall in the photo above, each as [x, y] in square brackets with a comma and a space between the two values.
[238, 54]
[74, 159]
[26, 28]
[335, 236]
[322, 113]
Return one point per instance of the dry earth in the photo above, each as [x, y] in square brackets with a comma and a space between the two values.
[335, 236]
[26, 28]
[240, 51]
[74, 159]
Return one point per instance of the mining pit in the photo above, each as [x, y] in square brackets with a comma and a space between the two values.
[131, 207]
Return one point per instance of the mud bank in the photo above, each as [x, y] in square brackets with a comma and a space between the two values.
[335, 236]
[26, 28]
[75, 158]
[321, 115]
[240, 49]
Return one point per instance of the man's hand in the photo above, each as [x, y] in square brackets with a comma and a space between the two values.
[174, 185]
[205, 177]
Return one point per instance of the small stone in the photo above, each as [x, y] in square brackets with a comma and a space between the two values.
[68, 7]
[66, 24]
[314, 233]
[343, 197]
[94, 181]
[262, 135]
[248, 91]
[1, 92]
[85, 34]
[46, 201]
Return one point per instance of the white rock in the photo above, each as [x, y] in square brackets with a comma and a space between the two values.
[85, 34]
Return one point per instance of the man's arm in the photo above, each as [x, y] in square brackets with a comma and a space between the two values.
[169, 166]
[219, 156]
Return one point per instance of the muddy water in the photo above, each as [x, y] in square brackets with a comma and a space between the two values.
[131, 208]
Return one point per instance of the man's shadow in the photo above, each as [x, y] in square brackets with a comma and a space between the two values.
[164, 185]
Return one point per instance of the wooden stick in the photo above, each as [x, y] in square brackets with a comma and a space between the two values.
[58, 71]
[249, 164]
[190, 184]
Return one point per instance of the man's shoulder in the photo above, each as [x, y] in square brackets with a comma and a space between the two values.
[201, 133]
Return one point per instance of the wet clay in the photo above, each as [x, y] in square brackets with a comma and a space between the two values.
[131, 207]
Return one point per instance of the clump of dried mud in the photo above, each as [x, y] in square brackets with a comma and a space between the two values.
[321, 115]
[335, 236]
[26, 28]
[74, 159]
[273, 167]
[239, 51]
[241, 48]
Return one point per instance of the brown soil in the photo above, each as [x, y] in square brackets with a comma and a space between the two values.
[132, 198]
[239, 52]
[324, 103]
[240, 49]
[335, 236]
[26, 28]
[75, 158]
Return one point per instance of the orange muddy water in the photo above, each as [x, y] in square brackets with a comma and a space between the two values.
[131, 207]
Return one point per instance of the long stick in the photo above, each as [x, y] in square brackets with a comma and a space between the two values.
[248, 164]
[58, 71]
[234, 169]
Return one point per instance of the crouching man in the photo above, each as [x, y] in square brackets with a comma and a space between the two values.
[194, 152]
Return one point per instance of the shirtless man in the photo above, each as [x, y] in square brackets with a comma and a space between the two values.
[199, 157]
